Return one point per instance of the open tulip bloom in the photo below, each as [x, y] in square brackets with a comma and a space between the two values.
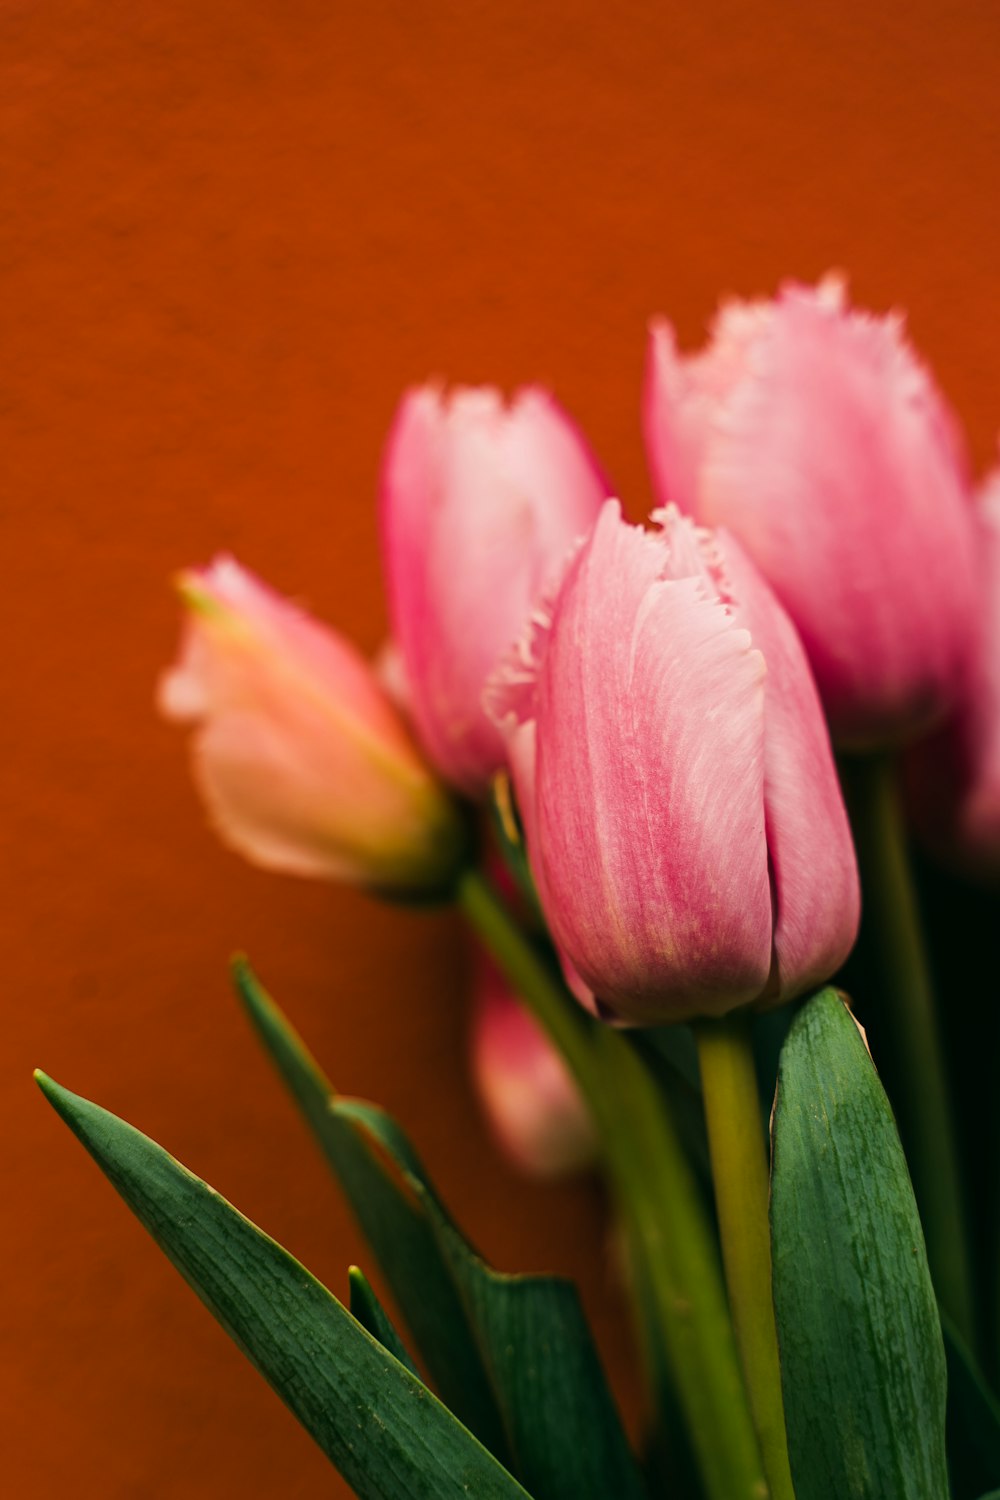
[609, 746]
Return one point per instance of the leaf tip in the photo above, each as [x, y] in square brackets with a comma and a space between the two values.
[249, 990]
[240, 971]
[66, 1104]
[54, 1092]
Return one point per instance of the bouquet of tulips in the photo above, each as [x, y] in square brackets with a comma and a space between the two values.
[612, 746]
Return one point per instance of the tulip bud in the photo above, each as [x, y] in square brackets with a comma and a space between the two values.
[303, 761]
[690, 844]
[953, 777]
[480, 503]
[816, 436]
[533, 1107]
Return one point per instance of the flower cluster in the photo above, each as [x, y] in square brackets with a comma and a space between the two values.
[611, 746]
[662, 698]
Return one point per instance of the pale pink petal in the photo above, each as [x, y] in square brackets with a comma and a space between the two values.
[480, 504]
[304, 763]
[531, 1103]
[682, 396]
[243, 638]
[814, 871]
[835, 461]
[649, 784]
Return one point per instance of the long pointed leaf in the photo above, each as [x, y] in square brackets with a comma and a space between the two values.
[386, 1433]
[565, 1435]
[394, 1226]
[370, 1313]
[863, 1367]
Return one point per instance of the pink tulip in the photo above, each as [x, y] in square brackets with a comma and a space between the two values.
[815, 435]
[682, 810]
[532, 1105]
[480, 504]
[303, 761]
[953, 778]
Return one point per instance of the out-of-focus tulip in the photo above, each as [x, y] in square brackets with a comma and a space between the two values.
[480, 503]
[814, 434]
[303, 761]
[531, 1103]
[953, 778]
[683, 814]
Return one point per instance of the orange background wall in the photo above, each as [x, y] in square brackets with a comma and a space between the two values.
[238, 231]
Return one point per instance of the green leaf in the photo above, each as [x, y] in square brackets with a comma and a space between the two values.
[524, 1338]
[370, 1313]
[973, 1420]
[863, 1368]
[386, 1433]
[565, 1435]
[391, 1221]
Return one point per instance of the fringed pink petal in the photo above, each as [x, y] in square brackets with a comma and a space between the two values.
[649, 785]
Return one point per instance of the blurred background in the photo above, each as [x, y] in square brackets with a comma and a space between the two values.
[234, 234]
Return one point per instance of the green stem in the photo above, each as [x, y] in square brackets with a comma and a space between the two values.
[740, 1172]
[670, 1241]
[921, 1095]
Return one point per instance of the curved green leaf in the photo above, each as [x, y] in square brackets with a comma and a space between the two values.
[370, 1313]
[386, 1433]
[863, 1368]
[392, 1223]
[564, 1432]
[524, 1338]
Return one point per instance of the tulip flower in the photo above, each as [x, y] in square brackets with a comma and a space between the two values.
[531, 1103]
[814, 434]
[303, 761]
[480, 503]
[953, 777]
[682, 809]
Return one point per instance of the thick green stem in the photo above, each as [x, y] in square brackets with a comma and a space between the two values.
[739, 1169]
[670, 1241]
[920, 1095]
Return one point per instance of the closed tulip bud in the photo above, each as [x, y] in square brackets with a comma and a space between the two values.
[953, 777]
[814, 434]
[303, 761]
[533, 1107]
[480, 503]
[686, 827]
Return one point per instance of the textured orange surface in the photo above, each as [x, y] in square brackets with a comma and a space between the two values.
[237, 231]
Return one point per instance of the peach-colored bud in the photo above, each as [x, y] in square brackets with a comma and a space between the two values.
[814, 434]
[480, 502]
[302, 759]
[532, 1105]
